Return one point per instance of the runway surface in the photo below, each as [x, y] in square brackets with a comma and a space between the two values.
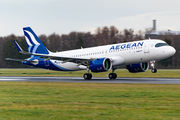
[94, 80]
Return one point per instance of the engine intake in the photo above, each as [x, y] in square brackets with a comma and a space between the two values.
[139, 67]
[100, 65]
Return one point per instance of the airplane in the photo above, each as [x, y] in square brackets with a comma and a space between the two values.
[134, 56]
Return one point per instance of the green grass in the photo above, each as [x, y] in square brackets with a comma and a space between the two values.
[88, 101]
[120, 73]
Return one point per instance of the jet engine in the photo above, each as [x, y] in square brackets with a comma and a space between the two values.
[100, 65]
[139, 67]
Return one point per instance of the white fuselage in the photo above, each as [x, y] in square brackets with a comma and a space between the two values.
[121, 54]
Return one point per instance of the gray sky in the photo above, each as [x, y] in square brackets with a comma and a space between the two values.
[65, 16]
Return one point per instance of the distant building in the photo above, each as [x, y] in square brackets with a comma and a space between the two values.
[153, 34]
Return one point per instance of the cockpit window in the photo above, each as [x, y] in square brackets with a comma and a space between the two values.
[161, 44]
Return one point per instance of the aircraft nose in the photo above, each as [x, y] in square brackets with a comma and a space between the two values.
[172, 51]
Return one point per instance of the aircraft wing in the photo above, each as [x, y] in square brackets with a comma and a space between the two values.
[64, 59]
[83, 61]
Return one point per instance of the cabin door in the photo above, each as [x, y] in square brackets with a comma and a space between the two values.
[146, 46]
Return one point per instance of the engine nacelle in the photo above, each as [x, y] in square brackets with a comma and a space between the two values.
[100, 65]
[139, 67]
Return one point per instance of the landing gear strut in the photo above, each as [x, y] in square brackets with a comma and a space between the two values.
[87, 76]
[152, 63]
[112, 75]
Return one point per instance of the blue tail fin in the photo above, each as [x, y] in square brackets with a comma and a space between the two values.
[34, 43]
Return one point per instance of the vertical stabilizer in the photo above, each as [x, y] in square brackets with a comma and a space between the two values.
[34, 43]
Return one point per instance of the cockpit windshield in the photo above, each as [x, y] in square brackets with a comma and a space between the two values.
[161, 44]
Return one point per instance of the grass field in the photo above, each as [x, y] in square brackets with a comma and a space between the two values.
[120, 73]
[88, 101]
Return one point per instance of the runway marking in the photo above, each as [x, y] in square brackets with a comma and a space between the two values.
[12, 79]
[94, 80]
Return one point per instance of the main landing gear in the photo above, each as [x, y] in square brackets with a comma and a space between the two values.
[112, 75]
[152, 63]
[87, 76]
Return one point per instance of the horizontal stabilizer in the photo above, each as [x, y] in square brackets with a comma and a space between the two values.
[11, 59]
[18, 47]
[20, 60]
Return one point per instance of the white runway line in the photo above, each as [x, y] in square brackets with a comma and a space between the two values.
[11, 79]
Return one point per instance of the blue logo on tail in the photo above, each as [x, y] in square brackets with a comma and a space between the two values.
[34, 43]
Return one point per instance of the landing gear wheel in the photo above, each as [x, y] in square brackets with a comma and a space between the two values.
[112, 75]
[154, 70]
[87, 76]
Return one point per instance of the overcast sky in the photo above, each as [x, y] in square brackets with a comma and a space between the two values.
[65, 16]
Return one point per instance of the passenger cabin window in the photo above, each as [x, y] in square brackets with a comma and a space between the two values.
[161, 44]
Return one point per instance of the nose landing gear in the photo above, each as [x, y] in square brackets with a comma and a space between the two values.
[152, 63]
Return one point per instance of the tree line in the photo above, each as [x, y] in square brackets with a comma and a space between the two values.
[76, 40]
